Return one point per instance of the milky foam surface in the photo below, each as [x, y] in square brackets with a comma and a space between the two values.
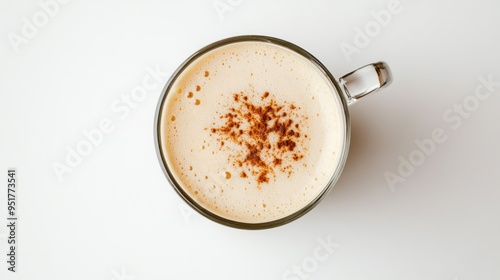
[218, 145]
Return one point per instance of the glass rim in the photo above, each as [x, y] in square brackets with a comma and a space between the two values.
[199, 207]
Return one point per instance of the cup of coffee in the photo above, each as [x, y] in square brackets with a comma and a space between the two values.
[253, 131]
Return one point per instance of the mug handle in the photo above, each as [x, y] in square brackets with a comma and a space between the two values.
[365, 80]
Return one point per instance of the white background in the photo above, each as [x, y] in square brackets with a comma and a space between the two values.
[114, 216]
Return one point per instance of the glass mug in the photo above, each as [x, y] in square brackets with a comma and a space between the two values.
[253, 131]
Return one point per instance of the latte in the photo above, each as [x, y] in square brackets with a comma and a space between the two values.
[252, 131]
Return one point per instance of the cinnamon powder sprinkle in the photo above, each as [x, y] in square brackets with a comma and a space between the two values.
[266, 134]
